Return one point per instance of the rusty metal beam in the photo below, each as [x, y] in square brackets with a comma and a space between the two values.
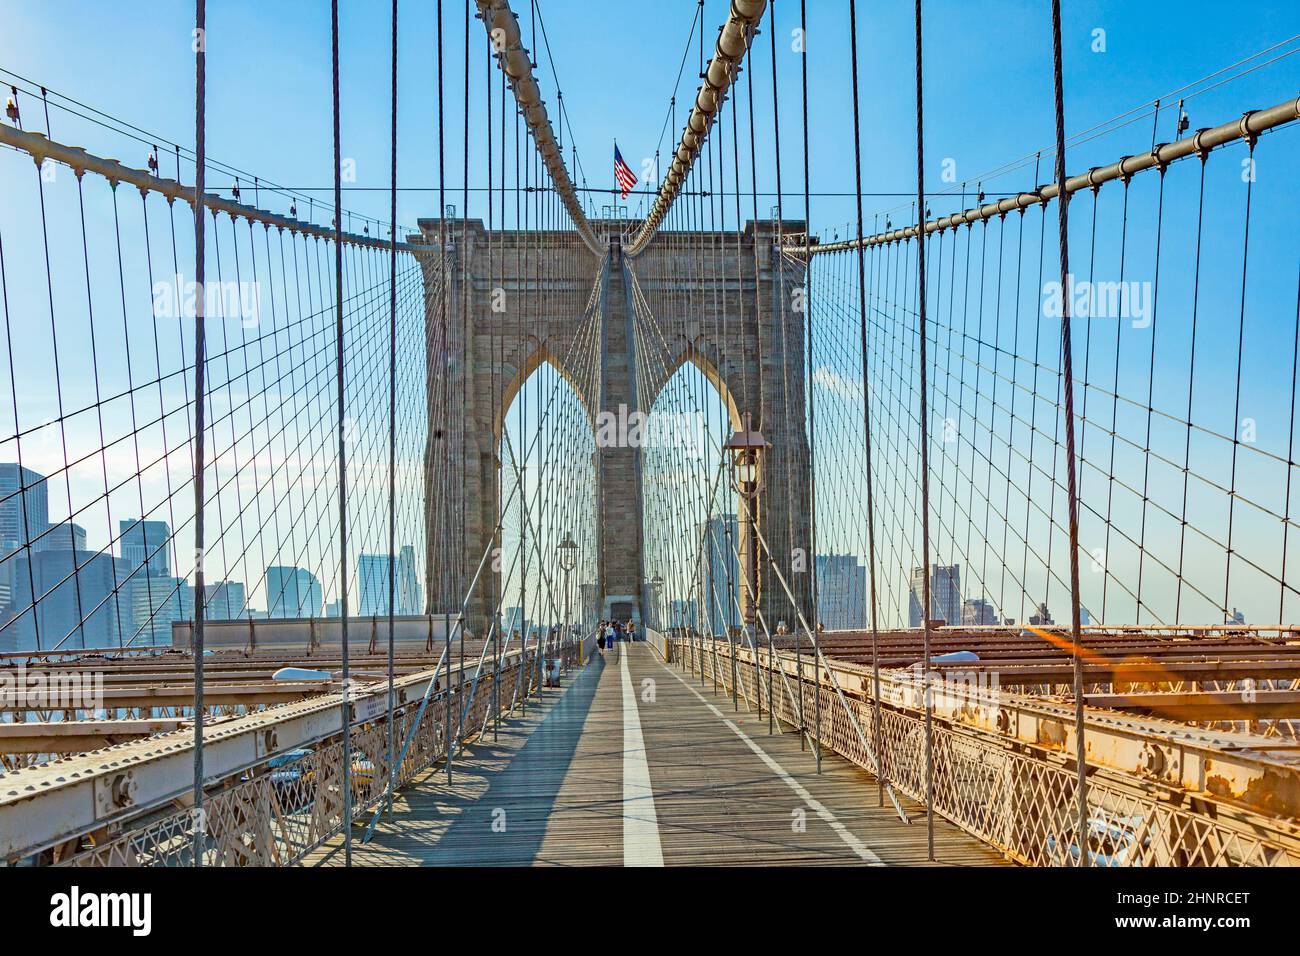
[1205, 705]
[71, 737]
[1012, 673]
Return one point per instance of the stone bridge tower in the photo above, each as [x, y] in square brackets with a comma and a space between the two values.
[518, 299]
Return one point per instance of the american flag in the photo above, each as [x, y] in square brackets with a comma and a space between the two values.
[623, 173]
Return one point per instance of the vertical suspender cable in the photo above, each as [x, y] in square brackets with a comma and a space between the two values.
[521, 221]
[866, 412]
[925, 445]
[752, 579]
[740, 275]
[1236, 411]
[443, 430]
[1290, 457]
[779, 265]
[200, 357]
[498, 437]
[812, 410]
[392, 413]
[343, 463]
[520, 400]
[1067, 370]
[466, 368]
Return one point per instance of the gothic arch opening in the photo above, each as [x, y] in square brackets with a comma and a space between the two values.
[690, 508]
[539, 355]
[546, 560]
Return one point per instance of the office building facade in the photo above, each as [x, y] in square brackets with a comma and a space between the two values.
[372, 576]
[945, 594]
[147, 545]
[841, 592]
[978, 611]
[292, 593]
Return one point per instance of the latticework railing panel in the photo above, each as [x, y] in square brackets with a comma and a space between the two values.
[1022, 803]
[276, 815]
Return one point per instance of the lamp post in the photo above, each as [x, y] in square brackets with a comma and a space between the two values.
[568, 552]
[747, 449]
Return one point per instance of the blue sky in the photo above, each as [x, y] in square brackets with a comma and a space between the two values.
[988, 81]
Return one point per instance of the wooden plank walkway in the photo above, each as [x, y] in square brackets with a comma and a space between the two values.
[558, 787]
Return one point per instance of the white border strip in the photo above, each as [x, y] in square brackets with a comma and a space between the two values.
[641, 845]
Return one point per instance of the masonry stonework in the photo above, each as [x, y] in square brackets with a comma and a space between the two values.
[518, 299]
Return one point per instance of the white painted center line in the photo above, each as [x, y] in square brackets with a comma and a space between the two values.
[852, 842]
[640, 824]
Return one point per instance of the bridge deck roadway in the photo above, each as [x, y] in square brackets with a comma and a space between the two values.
[602, 772]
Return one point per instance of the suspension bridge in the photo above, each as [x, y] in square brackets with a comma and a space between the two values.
[957, 534]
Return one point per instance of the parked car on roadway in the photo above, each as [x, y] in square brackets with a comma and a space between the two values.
[1112, 841]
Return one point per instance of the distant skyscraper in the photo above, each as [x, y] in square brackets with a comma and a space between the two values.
[145, 544]
[978, 611]
[1043, 617]
[22, 496]
[224, 600]
[372, 572]
[945, 594]
[720, 584]
[292, 592]
[410, 596]
[841, 591]
[1236, 617]
[82, 600]
[24, 516]
[155, 602]
[65, 536]
[152, 595]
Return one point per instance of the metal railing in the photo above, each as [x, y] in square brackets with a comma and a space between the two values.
[1017, 795]
[278, 813]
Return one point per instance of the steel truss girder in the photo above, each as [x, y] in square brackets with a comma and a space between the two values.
[44, 805]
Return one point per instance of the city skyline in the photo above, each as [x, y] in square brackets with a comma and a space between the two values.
[58, 592]
[132, 598]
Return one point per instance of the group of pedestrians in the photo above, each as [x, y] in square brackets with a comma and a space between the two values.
[610, 632]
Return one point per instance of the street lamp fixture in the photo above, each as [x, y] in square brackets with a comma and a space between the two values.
[568, 549]
[568, 554]
[747, 448]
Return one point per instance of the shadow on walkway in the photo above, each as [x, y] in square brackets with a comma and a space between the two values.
[522, 788]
